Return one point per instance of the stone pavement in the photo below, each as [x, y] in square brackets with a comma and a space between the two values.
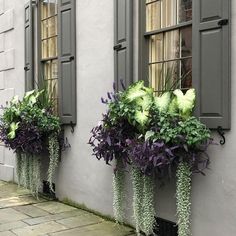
[23, 215]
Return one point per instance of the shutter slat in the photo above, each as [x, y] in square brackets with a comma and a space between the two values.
[67, 61]
[123, 42]
[211, 62]
[29, 46]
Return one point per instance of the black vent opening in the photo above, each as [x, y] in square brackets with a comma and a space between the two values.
[47, 191]
[165, 228]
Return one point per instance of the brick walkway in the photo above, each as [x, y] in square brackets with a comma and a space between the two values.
[22, 215]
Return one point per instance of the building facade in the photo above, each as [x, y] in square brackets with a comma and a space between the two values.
[71, 44]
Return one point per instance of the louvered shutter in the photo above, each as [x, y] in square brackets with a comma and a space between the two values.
[29, 47]
[123, 47]
[67, 60]
[211, 61]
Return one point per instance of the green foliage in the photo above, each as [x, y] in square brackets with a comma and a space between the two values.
[161, 133]
[34, 107]
[183, 198]
[29, 127]
[172, 126]
[54, 150]
[133, 104]
[185, 102]
[162, 102]
[118, 191]
[194, 131]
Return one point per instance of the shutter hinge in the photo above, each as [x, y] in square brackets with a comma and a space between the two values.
[35, 2]
[117, 47]
[71, 58]
[223, 22]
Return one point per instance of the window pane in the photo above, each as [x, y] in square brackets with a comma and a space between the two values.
[185, 10]
[44, 49]
[51, 79]
[171, 76]
[54, 69]
[44, 29]
[52, 27]
[44, 9]
[155, 76]
[47, 70]
[52, 7]
[52, 47]
[186, 42]
[169, 13]
[171, 45]
[153, 12]
[52, 86]
[186, 73]
[156, 48]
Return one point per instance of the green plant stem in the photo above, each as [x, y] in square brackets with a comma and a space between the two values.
[148, 205]
[118, 191]
[54, 155]
[138, 185]
[183, 197]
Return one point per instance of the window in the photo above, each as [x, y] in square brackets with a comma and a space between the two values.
[191, 49]
[169, 34]
[56, 53]
[49, 48]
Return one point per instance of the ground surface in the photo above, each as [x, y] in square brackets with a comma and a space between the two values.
[23, 215]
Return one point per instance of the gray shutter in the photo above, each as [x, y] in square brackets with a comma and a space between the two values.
[211, 61]
[67, 62]
[29, 53]
[123, 42]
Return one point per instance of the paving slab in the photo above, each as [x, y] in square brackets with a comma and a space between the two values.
[7, 233]
[64, 215]
[54, 207]
[102, 229]
[40, 229]
[18, 201]
[81, 220]
[10, 215]
[31, 210]
[11, 225]
[23, 215]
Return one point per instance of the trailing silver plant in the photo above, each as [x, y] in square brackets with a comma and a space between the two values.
[19, 165]
[36, 175]
[138, 185]
[25, 171]
[148, 211]
[118, 192]
[143, 202]
[54, 155]
[28, 172]
[183, 198]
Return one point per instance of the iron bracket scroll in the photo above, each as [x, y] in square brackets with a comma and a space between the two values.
[222, 134]
[72, 127]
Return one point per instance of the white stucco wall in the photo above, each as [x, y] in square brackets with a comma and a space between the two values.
[82, 178]
[11, 67]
